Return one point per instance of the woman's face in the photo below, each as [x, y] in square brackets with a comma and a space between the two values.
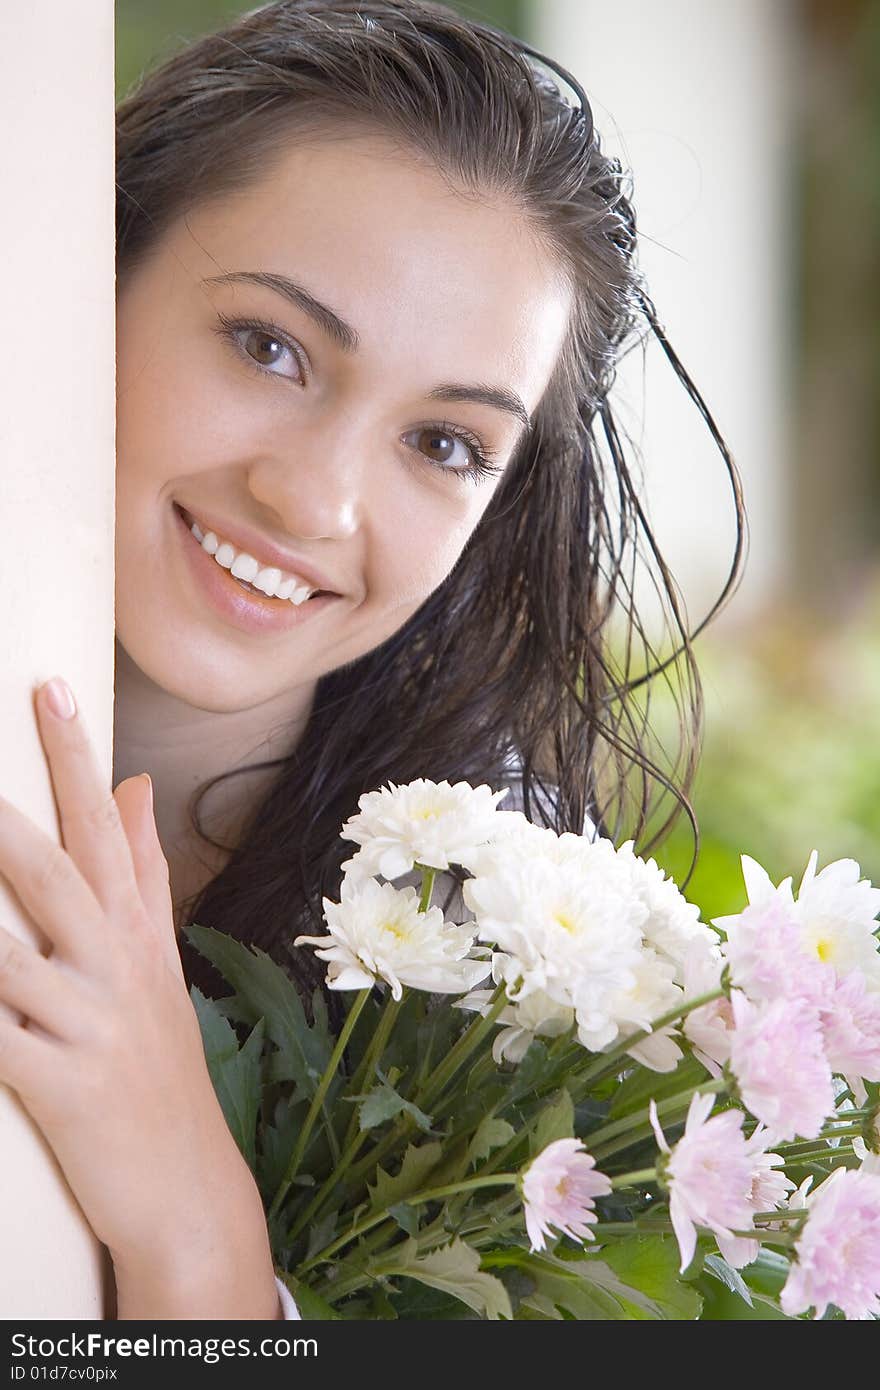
[338, 430]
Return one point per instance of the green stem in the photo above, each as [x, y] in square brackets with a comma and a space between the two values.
[628, 1228]
[640, 1117]
[765, 1237]
[635, 1179]
[318, 1100]
[372, 1057]
[470, 1039]
[813, 1155]
[428, 876]
[417, 1199]
[354, 1139]
[776, 1215]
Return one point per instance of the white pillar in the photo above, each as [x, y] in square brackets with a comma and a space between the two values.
[694, 97]
[57, 420]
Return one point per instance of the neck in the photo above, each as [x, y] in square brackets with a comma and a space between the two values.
[182, 747]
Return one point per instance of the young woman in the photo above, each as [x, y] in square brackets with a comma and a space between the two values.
[373, 523]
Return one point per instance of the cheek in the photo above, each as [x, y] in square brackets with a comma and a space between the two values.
[419, 541]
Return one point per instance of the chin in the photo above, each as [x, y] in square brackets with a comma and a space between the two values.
[198, 674]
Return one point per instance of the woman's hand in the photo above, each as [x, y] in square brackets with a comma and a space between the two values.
[110, 1063]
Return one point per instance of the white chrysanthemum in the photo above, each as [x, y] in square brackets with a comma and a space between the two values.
[672, 924]
[567, 923]
[377, 932]
[653, 994]
[421, 822]
[515, 838]
[835, 910]
[511, 833]
[536, 1016]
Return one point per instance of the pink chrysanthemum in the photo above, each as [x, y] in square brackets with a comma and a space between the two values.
[710, 1173]
[851, 1025]
[777, 1055]
[558, 1189]
[766, 955]
[837, 1256]
[770, 1188]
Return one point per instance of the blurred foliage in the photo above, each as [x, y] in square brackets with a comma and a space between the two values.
[791, 758]
[149, 31]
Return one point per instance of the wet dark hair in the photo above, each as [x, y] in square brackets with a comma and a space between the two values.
[518, 678]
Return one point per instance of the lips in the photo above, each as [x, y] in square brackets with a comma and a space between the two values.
[251, 613]
[264, 551]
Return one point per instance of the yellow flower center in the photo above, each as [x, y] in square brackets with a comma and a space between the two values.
[825, 950]
[395, 930]
[566, 922]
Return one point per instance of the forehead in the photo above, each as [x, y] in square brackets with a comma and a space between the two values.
[410, 260]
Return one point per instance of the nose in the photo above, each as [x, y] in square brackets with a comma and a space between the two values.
[315, 485]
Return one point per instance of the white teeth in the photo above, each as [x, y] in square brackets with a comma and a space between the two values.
[269, 580]
[245, 567]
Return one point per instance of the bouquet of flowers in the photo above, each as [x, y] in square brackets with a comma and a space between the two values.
[578, 1102]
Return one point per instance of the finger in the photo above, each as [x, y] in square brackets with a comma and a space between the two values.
[134, 798]
[38, 988]
[28, 1063]
[50, 887]
[91, 826]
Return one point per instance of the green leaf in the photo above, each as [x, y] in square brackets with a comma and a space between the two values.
[235, 1073]
[490, 1134]
[417, 1164]
[731, 1278]
[383, 1103]
[454, 1269]
[263, 990]
[566, 1289]
[311, 1307]
[529, 1073]
[647, 1267]
[407, 1217]
[556, 1122]
[277, 1142]
[634, 1280]
[321, 1233]
[767, 1274]
[642, 1085]
[720, 1305]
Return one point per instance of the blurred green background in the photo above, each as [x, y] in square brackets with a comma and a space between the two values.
[791, 759]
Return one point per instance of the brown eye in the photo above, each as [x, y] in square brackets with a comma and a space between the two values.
[264, 347]
[452, 450]
[438, 445]
[267, 350]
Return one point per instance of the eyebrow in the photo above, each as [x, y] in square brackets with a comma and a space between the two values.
[346, 338]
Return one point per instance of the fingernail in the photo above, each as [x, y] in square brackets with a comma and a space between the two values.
[145, 776]
[59, 698]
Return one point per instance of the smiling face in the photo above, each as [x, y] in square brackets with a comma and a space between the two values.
[329, 407]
